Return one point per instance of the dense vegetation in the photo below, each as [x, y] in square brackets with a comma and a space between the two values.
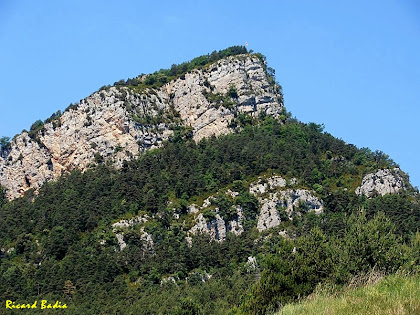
[163, 76]
[60, 244]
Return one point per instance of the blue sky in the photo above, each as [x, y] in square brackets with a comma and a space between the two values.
[352, 65]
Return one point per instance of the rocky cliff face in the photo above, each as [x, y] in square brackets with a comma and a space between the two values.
[278, 201]
[119, 123]
[216, 226]
[386, 181]
[286, 204]
[122, 226]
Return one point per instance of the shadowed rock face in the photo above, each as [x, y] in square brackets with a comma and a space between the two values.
[120, 123]
[382, 182]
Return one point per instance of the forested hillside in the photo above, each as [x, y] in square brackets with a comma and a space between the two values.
[239, 223]
[60, 243]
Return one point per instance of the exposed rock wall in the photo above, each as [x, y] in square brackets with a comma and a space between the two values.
[119, 229]
[119, 123]
[382, 182]
[291, 201]
[278, 201]
[261, 186]
[218, 228]
[275, 197]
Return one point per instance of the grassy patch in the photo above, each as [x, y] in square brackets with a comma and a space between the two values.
[393, 295]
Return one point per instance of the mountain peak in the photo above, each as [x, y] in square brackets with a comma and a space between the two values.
[210, 95]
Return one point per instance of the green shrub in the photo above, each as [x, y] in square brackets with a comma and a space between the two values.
[209, 215]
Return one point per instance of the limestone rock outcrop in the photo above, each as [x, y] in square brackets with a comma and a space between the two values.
[119, 229]
[261, 186]
[290, 202]
[384, 181]
[119, 123]
[216, 226]
[278, 202]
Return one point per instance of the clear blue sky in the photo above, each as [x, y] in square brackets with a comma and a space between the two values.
[351, 65]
